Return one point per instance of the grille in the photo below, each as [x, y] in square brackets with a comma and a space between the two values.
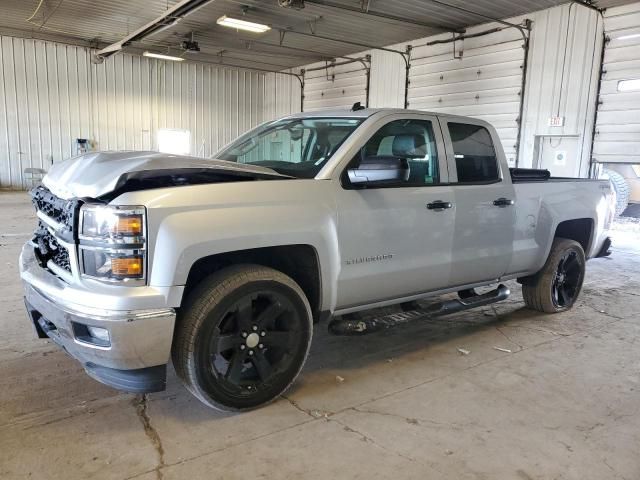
[59, 210]
[63, 213]
[48, 248]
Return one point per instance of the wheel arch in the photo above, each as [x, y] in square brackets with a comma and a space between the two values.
[301, 262]
[579, 229]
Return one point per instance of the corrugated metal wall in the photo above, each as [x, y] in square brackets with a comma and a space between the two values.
[336, 86]
[562, 80]
[46, 91]
[486, 82]
[387, 79]
[53, 94]
[617, 137]
[479, 77]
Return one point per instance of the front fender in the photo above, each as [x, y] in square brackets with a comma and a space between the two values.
[239, 216]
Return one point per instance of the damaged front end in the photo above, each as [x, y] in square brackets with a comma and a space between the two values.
[180, 177]
[57, 221]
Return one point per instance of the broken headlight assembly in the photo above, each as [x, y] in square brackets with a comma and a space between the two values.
[113, 243]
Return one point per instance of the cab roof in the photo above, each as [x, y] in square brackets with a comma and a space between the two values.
[363, 113]
[368, 112]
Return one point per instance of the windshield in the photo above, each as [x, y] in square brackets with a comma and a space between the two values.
[297, 147]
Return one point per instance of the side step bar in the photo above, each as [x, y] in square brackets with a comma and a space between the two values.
[340, 326]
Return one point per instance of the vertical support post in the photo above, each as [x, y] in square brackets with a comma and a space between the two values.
[523, 85]
[368, 70]
[301, 80]
[407, 62]
[601, 73]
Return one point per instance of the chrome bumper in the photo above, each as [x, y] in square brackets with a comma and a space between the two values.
[139, 339]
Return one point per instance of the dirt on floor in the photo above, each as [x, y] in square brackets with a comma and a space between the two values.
[501, 392]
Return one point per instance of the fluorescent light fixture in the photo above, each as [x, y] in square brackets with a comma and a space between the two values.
[629, 37]
[629, 85]
[242, 24]
[162, 57]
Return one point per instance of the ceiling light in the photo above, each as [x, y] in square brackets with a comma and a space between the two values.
[629, 37]
[162, 57]
[629, 85]
[242, 24]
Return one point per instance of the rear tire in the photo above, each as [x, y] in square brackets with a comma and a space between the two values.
[621, 187]
[242, 337]
[556, 287]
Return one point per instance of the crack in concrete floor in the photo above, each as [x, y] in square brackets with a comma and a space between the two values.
[141, 403]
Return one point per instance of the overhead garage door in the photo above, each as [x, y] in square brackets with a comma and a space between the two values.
[338, 85]
[617, 137]
[479, 77]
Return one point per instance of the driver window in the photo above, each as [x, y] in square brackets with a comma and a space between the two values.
[412, 140]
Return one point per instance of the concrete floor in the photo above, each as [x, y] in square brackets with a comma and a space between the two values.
[564, 404]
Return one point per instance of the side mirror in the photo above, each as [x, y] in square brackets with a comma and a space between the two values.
[379, 170]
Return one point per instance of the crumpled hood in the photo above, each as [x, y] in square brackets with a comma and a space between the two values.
[95, 174]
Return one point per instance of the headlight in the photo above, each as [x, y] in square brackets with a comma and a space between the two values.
[112, 223]
[112, 243]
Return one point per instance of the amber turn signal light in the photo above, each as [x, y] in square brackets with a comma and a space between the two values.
[126, 266]
[128, 225]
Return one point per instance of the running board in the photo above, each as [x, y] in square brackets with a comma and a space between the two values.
[341, 326]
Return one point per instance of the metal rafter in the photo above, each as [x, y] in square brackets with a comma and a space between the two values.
[166, 20]
[388, 16]
[339, 40]
[589, 4]
[523, 30]
[245, 44]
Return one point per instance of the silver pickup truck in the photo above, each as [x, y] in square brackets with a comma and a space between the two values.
[225, 264]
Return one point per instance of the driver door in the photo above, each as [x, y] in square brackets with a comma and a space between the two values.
[394, 241]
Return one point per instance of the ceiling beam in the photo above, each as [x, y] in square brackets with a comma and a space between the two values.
[589, 4]
[247, 45]
[388, 16]
[167, 19]
[50, 37]
[523, 30]
[339, 40]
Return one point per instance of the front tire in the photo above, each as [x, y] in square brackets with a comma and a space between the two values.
[242, 337]
[556, 287]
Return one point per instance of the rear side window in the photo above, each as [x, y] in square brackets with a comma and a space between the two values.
[475, 155]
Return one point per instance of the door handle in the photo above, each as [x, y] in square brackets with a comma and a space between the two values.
[439, 205]
[503, 202]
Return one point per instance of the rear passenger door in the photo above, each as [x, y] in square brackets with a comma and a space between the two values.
[484, 201]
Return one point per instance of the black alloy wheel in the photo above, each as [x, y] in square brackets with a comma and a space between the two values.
[242, 337]
[567, 279]
[252, 345]
[556, 287]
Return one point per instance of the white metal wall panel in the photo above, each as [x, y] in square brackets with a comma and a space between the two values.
[52, 94]
[338, 86]
[558, 83]
[45, 97]
[387, 79]
[617, 137]
[562, 79]
[482, 80]
[282, 95]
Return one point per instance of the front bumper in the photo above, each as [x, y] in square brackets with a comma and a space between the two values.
[139, 339]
